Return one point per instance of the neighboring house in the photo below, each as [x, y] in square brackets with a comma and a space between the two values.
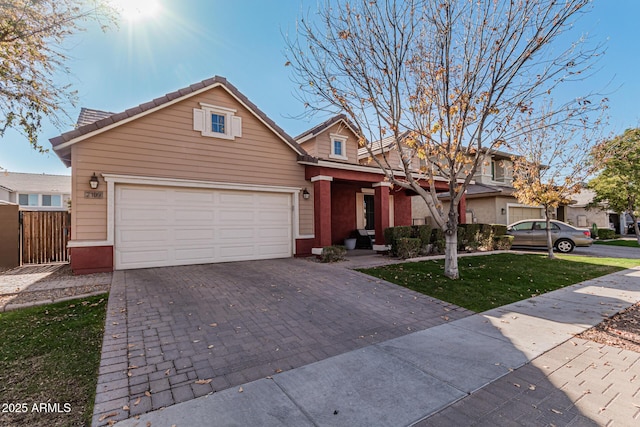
[201, 175]
[36, 191]
[490, 200]
[577, 213]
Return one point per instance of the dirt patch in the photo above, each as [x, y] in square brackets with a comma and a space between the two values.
[621, 330]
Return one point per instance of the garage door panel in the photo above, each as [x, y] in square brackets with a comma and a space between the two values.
[236, 252]
[236, 233]
[180, 226]
[194, 198]
[149, 235]
[194, 215]
[237, 216]
[273, 232]
[195, 254]
[156, 257]
[272, 249]
[271, 217]
[146, 196]
[144, 215]
[246, 199]
[194, 235]
[269, 201]
[520, 213]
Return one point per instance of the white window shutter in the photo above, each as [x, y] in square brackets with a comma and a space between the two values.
[198, 119]
[236, 127]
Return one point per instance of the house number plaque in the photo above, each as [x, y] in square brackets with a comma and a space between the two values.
[93, 194]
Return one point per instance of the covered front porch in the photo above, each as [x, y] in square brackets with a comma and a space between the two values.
[351, 198]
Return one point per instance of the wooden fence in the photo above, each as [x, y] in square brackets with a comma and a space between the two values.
[44, 236]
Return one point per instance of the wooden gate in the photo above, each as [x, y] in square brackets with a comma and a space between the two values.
[44, 236]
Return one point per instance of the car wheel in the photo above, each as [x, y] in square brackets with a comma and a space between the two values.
[565, 246]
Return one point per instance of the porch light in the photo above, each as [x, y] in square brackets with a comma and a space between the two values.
[93, 182]
[305, 194]
[502, 211]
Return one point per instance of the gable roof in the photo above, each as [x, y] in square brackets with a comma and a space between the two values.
[377, 147]
[62, 143]
[88, 116]
[318, 129]
[18, 182]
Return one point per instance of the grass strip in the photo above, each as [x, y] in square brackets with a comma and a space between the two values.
[49, 360]
[489, 281]
[625, 243]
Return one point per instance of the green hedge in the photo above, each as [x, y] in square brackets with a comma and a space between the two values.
[470, 236]
[605, 234]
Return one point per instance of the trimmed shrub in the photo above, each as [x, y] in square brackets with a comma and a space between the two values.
[594, 231]
[423, 232]
[333, 253]
[392, 234]
[605, 234]
[502, 242]
[499, 229]
[408, 247]
[438, 240]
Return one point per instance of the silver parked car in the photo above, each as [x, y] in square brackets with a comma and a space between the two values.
[533, 232]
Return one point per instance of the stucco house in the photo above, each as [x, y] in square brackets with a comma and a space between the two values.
[201, 175]
[32, 191]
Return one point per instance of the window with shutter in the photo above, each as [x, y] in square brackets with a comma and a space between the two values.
[217, 122]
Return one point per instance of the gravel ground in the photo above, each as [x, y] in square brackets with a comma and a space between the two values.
[36, 285]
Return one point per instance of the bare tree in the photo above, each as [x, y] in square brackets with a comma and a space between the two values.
[554, 160]
[31, 54]
[449, 80]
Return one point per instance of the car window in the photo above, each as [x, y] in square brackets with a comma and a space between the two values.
[542, 225]
[522, 226]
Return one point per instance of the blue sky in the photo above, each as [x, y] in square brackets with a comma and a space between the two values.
[242, 40]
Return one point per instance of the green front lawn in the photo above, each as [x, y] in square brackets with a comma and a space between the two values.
[626, 243]
[50, 355]
[490, 281]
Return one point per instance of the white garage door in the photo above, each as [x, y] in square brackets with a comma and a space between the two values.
[519, 213]
[162, 226]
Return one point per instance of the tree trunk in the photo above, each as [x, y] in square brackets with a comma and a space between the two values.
[548, 230]
[451, 256]
[635, 226]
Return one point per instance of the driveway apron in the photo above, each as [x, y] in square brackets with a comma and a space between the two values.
[177, 333]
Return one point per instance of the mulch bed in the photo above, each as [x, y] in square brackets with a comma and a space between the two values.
[621, 330]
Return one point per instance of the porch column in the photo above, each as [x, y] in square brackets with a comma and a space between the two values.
[381, 211]
[462, 210]
[322, 210]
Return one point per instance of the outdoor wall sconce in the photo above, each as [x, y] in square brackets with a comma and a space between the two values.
[502, 211]
[94, 182]
[305, 194]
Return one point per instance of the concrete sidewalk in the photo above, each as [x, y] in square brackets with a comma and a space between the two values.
[519, 364]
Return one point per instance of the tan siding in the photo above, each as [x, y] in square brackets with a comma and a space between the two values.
[323, 143]
[164, 144]
[310, 147]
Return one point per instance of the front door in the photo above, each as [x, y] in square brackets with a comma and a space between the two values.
[369, 221]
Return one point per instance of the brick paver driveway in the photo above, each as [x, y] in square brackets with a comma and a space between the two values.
[177, 333]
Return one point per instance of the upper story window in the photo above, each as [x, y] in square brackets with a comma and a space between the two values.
[338, 147]
[218, 122]
[35, 200]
